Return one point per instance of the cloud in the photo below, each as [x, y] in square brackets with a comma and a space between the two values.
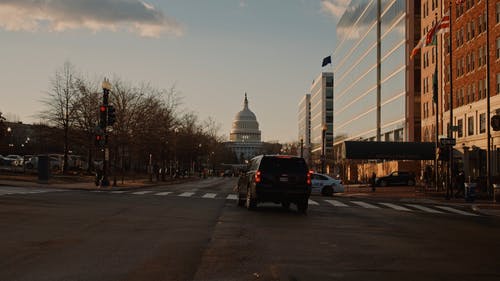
[243, 4]
[58, 15]
[334, 8]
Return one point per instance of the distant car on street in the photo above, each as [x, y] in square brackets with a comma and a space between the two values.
[275, 178]
[396, 178]
[325, 185]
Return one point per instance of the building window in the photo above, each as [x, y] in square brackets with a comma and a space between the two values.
[470, 126]
[480, 56]
[498, 83]
[498, 48]
[482, 123]
[480, 89]
[472, 64]
[484, 88]
[473, 94]
[460, 124]
[498, 12]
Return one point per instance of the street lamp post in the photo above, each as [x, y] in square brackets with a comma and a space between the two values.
[323, 156]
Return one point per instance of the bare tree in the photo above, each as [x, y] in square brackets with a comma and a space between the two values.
[86, 114]
[60, 104]
[2, 126]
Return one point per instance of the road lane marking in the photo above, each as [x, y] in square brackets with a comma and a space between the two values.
[311, 202]
[209, 195]
[336, 203]
[143, 192]
[186, 194]
[396, 207]
[449, 209]
[118, 191]
[425, 209]
[232, 197]
[163, 193]
[365, 205]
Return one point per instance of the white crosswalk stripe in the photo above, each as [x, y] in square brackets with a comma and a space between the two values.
[142, 192]
[210, 195]
[163, 193]
[232, 197]
[396, 207]
[365, 205]
[186, 194]
[425, 209]
[449, 209]
[336, 203]
[311, 202]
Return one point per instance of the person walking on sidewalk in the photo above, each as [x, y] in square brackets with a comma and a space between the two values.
[460, 184]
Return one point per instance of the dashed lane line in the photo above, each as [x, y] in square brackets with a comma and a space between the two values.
[336, 203]
[312, 202]
[396, 207]
[163, 193]
[209, 195]
[365, 205]
[186, 194]
[449, 209]
[425, 209]
[142, 192]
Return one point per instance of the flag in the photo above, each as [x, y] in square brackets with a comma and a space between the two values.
[326, 61]
[417, 48]
[442, 26]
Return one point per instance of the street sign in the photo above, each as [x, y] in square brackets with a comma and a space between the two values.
[448, 141]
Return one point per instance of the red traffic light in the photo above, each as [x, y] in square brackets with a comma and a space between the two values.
[98, 137]
[102, 108]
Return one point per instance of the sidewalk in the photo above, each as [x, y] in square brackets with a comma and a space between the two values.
[416, 194]
[83, 183]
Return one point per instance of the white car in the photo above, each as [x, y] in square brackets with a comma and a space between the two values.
[325, 185]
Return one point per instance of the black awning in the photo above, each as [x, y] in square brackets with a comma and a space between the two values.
[389, 150]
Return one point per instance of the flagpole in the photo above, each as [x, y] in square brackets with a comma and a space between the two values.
[488, 104]
[449, 188]
[436, 101]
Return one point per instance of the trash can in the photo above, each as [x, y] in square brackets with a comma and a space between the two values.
[43, 169]
[470, 192]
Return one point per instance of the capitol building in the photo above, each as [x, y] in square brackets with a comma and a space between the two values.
[245, 138]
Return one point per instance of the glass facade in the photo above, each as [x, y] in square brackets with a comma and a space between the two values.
[355, 67]
[322, 112]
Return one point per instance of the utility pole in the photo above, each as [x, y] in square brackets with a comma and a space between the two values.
[488, 105]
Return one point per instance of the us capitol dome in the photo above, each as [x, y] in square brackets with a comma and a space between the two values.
[245, 136]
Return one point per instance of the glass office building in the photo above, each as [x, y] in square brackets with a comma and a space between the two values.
[377, 86]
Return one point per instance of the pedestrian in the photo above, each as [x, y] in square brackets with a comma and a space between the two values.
[427, 176]
[460, 184]
[372, 180]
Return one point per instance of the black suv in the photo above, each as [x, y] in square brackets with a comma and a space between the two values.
[396, 178]
[275, 178]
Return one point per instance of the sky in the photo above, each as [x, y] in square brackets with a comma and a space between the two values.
[212, 51]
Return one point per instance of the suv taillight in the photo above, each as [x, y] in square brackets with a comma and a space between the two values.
[258, 177]
[309, 174]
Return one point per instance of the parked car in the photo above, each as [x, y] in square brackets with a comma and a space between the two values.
[396, 178]
[325, 185]
[275, 178]
[17, 160]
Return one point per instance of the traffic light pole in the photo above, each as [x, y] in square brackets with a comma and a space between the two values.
[106, 86]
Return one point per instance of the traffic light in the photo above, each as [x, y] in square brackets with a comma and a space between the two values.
[99, 140]
[111, 115]
[103, 114]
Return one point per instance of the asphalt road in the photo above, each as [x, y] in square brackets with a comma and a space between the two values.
[195, 231]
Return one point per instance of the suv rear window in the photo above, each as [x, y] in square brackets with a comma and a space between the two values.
[283, 165]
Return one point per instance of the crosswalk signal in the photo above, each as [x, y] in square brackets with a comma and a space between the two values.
[111, 115]
[103, 114]
[99, 140]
